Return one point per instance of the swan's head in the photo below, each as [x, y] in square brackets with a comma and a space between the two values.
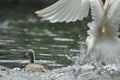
[31, 55]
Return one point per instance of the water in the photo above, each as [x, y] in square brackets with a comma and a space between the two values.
[75, 72]
[60, 47]
[55, 44]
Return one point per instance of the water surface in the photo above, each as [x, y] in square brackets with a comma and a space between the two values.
[55, 44]
[59, 47]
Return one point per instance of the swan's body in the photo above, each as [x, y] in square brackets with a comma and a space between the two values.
[32, 67]
[103, 42]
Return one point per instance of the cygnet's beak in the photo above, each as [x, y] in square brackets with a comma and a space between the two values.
[26, 54]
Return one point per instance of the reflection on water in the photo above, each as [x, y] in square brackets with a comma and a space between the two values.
[55, 44]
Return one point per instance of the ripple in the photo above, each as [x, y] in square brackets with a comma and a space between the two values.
[44, 48]
[5, 24]
[2, 57]
[59, 46]
[2, 50]
[81, 42]
[27, 61]
[3, 43]
[49, 33]
[32, 20]
[74, 50]
[8, 41]
[38, 40]
[63, 39]
[14, 50]
[56, 65]
[46, 54]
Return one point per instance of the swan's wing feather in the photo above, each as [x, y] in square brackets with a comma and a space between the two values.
[96, 10]
[65, 10]
[97, 16]
[114, 16]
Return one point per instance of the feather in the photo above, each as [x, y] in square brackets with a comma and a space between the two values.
[65, 10]
[103, 46]
[104, 49]
[96, 11]
[114, 16]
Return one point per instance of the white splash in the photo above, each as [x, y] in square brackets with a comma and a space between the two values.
[74, 72]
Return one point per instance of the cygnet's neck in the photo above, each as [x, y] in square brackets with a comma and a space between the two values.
[32, 58]
[31, 55]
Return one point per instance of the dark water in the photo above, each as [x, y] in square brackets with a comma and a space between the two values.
[54, 44]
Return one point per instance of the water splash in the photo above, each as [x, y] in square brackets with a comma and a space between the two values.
[74, 72]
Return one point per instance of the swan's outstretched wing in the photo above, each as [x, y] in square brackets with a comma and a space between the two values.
[114, 16]
[65, 10]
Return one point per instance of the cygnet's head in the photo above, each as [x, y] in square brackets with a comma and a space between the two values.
[31, 55]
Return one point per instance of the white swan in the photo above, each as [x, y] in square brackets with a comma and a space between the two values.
[103, 42]
[32, 67]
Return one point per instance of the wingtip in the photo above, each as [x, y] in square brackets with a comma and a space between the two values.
[36, 12]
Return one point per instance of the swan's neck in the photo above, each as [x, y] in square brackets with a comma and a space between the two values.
[106, 31]
[32, 58]
[106, 6]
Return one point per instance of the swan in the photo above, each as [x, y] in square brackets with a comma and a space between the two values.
[32, 67]
[103, 44]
